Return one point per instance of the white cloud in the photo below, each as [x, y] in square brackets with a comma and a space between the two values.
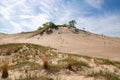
[8, 6]
[40, 19]
[67, 15]
[21, 14]
[33, 13]
[30, 14]
[107, 24]
[16, 27]
[34, 21]
[95, 3]
[26, 16]
[4, 12]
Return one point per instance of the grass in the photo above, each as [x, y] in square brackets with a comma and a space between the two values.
[75, 63]
[104, 74]
[34, 76]
[15, 47]
[56, 68]
[21, 64]
[107, 62]
[76, 55]
[10, 48]
[41, 30]
[81, 64]
[40, 52]
[69, 65]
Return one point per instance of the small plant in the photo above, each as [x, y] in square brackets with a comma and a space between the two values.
[69, 63]
[5, 69]
[72, 23]
[81, 64]
[45, 62]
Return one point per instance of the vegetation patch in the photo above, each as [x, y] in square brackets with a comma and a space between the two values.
[107, 75]
[45, 60]
[22, 64]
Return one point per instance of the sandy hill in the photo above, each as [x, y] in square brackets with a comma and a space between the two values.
[35, 62]
[71, 40]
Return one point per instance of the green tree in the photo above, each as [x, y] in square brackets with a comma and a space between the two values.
[49, 24]
[72, 23]
[65, 25]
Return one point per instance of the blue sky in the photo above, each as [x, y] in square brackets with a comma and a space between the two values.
[98, 16]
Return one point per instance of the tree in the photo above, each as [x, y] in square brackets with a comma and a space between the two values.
[65, 25]
[49, 24]
[72, 23]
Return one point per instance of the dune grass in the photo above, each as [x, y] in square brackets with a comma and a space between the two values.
[32, 65]
[13, 48]
[66, 62]
[107, 75]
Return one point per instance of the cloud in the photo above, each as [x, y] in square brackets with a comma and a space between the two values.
[107, 24]
[21, 14]
[4, 13]
[16, 27]
[28, 15]
[95, 3]
[34, 21]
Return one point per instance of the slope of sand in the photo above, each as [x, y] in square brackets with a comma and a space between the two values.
[63, 39]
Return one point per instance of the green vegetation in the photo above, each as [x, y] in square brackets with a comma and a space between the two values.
[72, 23]
[81, 64]
[13, 48]
[74, 63]
[32, 65]
[51, 25]
[33, 60]
[47, 25]
[69, 64]
[107, 62]
[104, 74]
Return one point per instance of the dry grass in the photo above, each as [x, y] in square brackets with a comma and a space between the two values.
[5, 69]
[107, 75]
[14, 48]
[45, 61]
[69, 63]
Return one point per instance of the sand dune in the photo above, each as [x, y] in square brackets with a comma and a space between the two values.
[66, 40]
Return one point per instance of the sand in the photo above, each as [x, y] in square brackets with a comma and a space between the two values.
[64, 40]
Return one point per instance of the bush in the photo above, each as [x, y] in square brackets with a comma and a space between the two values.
[72, 23]
[45, 62]
[5, 69]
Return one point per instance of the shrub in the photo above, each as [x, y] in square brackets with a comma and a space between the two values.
[72, 23]
[45, 62]
[69, 63]
[5, 69]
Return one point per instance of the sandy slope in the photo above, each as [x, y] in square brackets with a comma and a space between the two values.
[65, 40]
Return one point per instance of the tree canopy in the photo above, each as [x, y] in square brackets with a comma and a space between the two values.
[72, 23]
[49, 24]
[52, 25]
